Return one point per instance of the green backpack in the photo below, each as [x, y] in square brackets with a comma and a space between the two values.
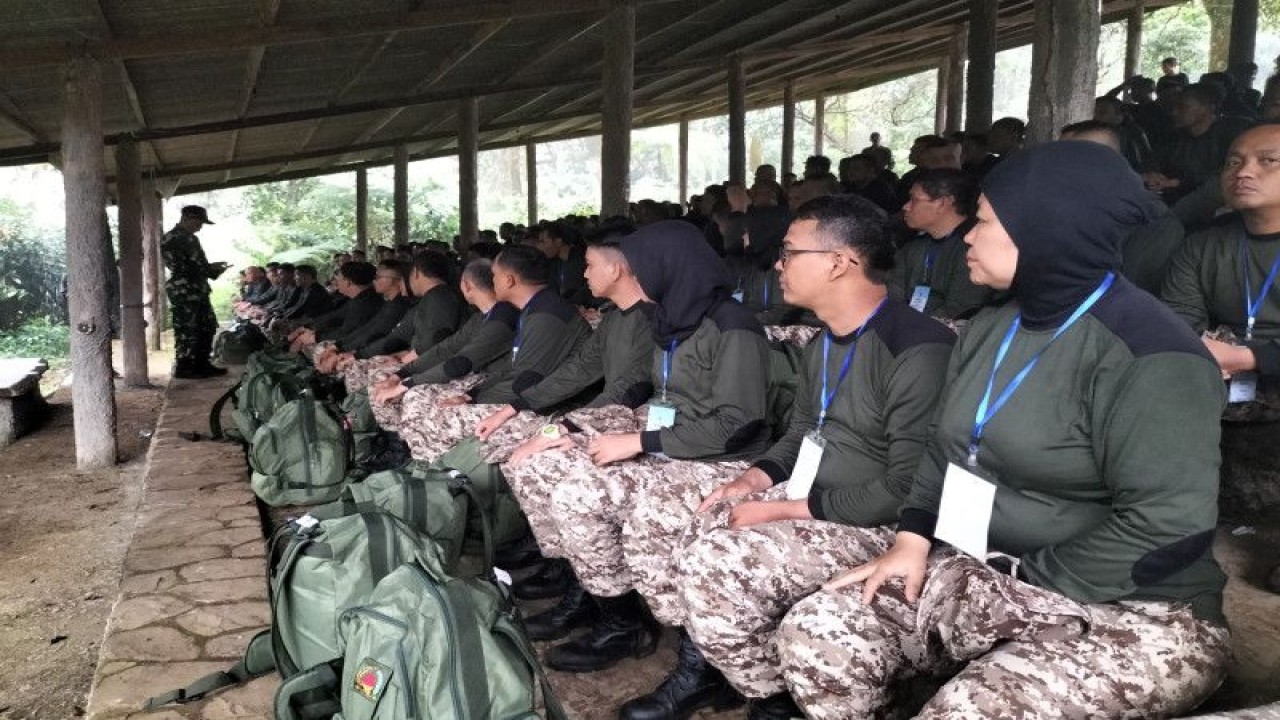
[425, 646]
[364, 428]
[234, 345]
[301, 456]
[493, 495]
[271, 379]
[424, 498]
[319, 568]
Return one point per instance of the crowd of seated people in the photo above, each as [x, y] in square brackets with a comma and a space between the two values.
[1000, 467]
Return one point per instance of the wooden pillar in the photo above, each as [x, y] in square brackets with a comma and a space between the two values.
[788, 129]
[940, 97]
[1244, 32]
[531, 181]
[1133, 39]
[737, 120]
[401, 194]
[955, 80]
[615, 123]
[153, 265]
[981, 79]
[133, 326]
[1064, 66]
[819, 123]
[84, 181]
[468, 182]
[683, 152]
[362, 210]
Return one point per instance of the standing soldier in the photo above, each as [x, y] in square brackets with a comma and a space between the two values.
[194, 323]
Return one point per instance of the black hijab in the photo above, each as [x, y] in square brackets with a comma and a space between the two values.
[1068, 206]
[680, 273]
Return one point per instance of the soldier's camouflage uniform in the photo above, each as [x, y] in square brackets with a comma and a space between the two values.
[360, 374]
[1025, 651]
[798, 335]
[187, 287]
[429, 429]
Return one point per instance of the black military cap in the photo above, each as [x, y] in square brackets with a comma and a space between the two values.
[198, 213]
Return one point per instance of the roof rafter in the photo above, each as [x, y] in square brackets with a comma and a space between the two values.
[268, 11]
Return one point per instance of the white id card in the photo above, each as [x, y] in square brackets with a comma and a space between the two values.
[661, 415]
[920, 298]
[806, 468]
[738, 295]
[1243, 388]
[964, 516]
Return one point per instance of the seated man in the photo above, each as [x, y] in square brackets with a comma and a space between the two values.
[286, 290]
[254, 283]
[559, 242]
[710, 368]
[930, 271]
[821, 498]
[355, 282]
[390, 283]
[437, 314]
[311, 300]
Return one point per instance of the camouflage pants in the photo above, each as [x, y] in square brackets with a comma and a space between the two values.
[194, 325]
[664, 520]
[735, 586]
[360, 374]
[429, 429]
[1025, 651]
[532, 482]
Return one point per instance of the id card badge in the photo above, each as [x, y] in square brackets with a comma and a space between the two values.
[1243, 388]
[806, 467]
[920, 298]
[964, 515]
[738, 295]
[661, 415]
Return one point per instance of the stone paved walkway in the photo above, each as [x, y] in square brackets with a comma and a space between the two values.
[193, 589]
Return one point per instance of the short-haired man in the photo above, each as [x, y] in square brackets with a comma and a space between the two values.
[355, 282]
[390, 283]
[826, 494]
[882, 155]
[311, 300]
[930, 272]
[1200, 146]
[254, 283]
[194, 323]
[559, 242]
[1132, 140]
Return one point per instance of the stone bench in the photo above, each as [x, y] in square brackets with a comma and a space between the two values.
[22, 405]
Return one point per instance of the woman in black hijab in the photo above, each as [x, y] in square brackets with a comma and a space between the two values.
[1073, 472]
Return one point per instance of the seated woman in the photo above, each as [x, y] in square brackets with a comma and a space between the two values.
[1073, 470]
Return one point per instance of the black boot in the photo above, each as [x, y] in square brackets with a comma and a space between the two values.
[780, 706]
[575, 610]
[693, 685]
[186, 370]
[211, 370]
[522, 553]
[552, 580]
[624, 629]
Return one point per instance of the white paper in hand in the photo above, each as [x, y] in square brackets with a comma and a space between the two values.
[964, 516]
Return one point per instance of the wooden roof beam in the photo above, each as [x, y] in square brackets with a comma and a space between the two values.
[268, 11]
[438, 13]
[12, 114]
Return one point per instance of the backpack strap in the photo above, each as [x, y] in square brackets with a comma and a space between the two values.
[514, 631]
[312, 694]
[460, 483]
[257, 661]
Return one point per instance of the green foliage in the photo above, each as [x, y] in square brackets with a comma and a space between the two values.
[32, 266]
[40, 338]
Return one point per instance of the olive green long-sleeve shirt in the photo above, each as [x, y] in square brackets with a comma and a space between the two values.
[618, 352]
[434, 317]
[940, 265]
[348, 317]
[1105, 459]
[718, 384]
[548, 332]
[878, 420]
[482, 344]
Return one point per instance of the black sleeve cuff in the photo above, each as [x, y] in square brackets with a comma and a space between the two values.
[457, 366]
[774, 470]
[520, 404]
[404, 373]
[815, 505]
[525, 380]
[637, 394]
[651, 441]
[1267, 355]
[920, 522]
[408, 381]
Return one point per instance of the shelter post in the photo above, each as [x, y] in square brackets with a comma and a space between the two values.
[617, 108]
[683, 161]
[531, 181]
[133, 333]
[468, 183]
[940, 97]
[737, 120]
[153, 275]
[819, 122]
[84, 182]
[401, 194]
[1133, 38]
[362, 210]
[788, 129]
[955, 79]
[1244, 32]
[1064, 66]
[981, 78]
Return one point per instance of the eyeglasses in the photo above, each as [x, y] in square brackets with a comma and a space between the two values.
[785, 255]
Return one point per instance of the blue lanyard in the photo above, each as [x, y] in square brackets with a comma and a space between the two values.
[666, 368]
[767, 283]
[984, 414]
[826, 398]
[515, 347]
[929, 259]
[1253, 305]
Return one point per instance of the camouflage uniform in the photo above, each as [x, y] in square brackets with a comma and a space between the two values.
[187, 288]
[360, 374]
[1025, 651]
[735, 586]
[798, 335]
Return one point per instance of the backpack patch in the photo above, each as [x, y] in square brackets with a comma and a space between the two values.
[371, 679]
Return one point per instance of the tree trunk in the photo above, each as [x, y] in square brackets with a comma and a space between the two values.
[1064, 66]
[133, 325]
[84, 181]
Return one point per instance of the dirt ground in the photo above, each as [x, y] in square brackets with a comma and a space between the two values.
[63, 534]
